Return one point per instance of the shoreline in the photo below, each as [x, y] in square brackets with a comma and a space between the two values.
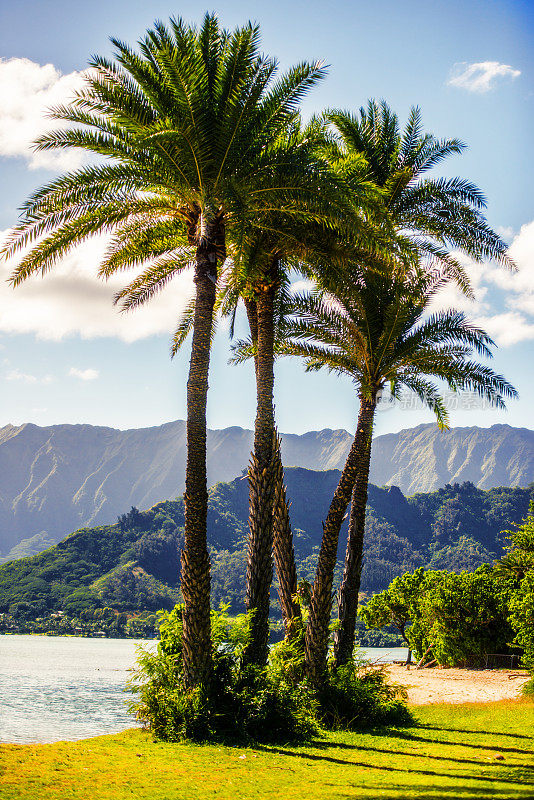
[454, 686]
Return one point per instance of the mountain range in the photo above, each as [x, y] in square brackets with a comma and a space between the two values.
[59, 478]
[133, 566]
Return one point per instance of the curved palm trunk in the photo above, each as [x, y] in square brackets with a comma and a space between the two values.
[350, 585]
[284, 553]
[262, 482]
[195, 560]
[316, 641]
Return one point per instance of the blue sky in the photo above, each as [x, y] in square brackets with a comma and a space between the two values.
[66, 356]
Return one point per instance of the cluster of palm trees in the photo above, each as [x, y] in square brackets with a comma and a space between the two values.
[204, 162]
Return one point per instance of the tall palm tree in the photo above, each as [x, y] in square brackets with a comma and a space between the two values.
[315, 209]
[378, 329]
[436, 217]
[328, 226]
[187, 127]
[441, 216]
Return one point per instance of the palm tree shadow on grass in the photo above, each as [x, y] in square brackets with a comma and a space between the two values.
[412, 737]
[382, 768]
[439, 793]
[365, 748]
[467, 730]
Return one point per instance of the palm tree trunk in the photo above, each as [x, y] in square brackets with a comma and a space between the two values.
[195, 560]
[262, 482]
[284, 553]
[316, 641]
[252, 316]
[350, 585]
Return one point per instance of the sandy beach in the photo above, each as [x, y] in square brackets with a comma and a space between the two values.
[458, 685]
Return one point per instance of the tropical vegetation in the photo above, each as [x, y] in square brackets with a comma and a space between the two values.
[458, 751]
[453, 619]
[203, 162]
[113, 579]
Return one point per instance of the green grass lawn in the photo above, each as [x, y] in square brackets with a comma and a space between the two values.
[472, 751]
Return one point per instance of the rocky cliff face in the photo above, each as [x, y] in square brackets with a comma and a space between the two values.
[423, 459]
[54, 480]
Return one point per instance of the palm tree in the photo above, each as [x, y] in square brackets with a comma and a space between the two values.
[188, 128]
[378, 329]
[314, 211]
[329, 225]
[441, 216]
[435, 218]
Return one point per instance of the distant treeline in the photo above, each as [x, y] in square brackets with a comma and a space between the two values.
[132, 568]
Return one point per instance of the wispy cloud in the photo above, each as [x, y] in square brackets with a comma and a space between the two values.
[27, 91]
[504, 300]
[84, 374]
[508, 328]
[71, 301]
[17, 375]
[480, 77]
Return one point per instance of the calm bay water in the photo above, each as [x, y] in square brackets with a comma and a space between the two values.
[55, 687]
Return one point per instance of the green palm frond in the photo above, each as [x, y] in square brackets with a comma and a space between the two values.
[152, 280]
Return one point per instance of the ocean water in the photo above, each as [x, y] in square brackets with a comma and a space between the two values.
[56, 687]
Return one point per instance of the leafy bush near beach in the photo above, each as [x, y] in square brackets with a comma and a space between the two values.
[444, 616]
[355, 697]
[522, 619]
[240, 703]
[517, 566]
[274, 704]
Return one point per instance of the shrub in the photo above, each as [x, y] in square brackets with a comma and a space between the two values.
[240, 703]
[522, 619]
[273, 704]
[355, 696]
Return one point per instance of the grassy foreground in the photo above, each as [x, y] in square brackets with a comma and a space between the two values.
[472, 751]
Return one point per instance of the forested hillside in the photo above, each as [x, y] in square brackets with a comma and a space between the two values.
[56, 479]
[133, 566]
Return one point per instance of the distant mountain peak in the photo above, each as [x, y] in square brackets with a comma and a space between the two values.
[58, 478]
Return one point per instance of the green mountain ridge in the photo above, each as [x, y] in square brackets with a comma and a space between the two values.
[133, 566]
[62, 477]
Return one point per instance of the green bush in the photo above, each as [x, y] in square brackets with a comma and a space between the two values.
[273, 704]
[446, 616]
[522, 619]
[240, 703]
[356, 696]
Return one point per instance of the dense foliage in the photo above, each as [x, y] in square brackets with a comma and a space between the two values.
[447, 618]
[243, 702]
[517, 568]
[132, 567]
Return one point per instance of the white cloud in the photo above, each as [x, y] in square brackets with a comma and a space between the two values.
[507, 328]
[84, 374]
[514, 321]
[302, 285]
[71, 300]
[27, 91]
[480, 77]
[519, 285]
[17, 375]
[452, 297]
[506, 232]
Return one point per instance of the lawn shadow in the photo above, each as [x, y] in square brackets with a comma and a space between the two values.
[466, 730]
[423, 792]
[431, 773]
[477, 762]
[410, 737]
